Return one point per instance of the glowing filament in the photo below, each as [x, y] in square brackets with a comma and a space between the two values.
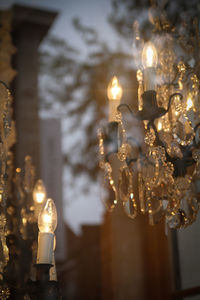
[189, 103]
[149, 56]
[114, 90]
[47, 220]
[159, 126]
[39, 192]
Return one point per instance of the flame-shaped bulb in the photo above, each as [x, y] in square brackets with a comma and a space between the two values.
[39, 192]
[149, 56]
[114, 90]
[47, 219]
[189, 103]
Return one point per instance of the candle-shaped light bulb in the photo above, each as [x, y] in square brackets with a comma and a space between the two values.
[114, 93]
[189, 103]
[39, 192]
[149, 61]
[47, 219]
[159, 125]
[114, 90]
[149, 56]
[47, 222]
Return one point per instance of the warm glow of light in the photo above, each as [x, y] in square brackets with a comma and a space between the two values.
[189, 103]
[39, 192]
[24, 221]
[47, 219]
[114, 90]
[159, 126]
[40, 197]
[149, 56]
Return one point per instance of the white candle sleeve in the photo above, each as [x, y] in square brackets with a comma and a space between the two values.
[150, 79]
[45, 248]
[113, 104]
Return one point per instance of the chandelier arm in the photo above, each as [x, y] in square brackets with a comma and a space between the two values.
[171, 98]
[134, 115]
[189, 162]
[4, 84]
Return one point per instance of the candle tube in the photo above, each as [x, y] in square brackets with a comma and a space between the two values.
[114, 93]
[47, 222]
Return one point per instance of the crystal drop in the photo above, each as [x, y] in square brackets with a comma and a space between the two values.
[130, 206]
[189, 205]
[109, 194]
[194, 204]
[122, 153]
[174, 150]
[155, 210]
[108, 167]
[165, 204]
[141, 191]
[173, 220]
[124, 183]
[183, 131]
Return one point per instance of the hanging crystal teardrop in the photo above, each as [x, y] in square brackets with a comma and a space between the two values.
[130, 206]
[109, 195]
[183, 131]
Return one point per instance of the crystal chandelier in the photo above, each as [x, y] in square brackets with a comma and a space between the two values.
[27, 264]
[159, 176]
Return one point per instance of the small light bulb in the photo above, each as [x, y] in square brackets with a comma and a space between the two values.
[47, 219]
[114, 90]
[149, 56]
[189, 103]
[159, 126]
[39, 192]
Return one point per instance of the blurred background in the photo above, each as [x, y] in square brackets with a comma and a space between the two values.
[67, 52]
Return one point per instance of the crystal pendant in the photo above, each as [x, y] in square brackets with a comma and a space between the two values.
[130, 206]
[141, 191]
[189, 205]
[125, 183]
[155, 208]
[173, 220]
[123, 151]
[183, 131]
[109, 194]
